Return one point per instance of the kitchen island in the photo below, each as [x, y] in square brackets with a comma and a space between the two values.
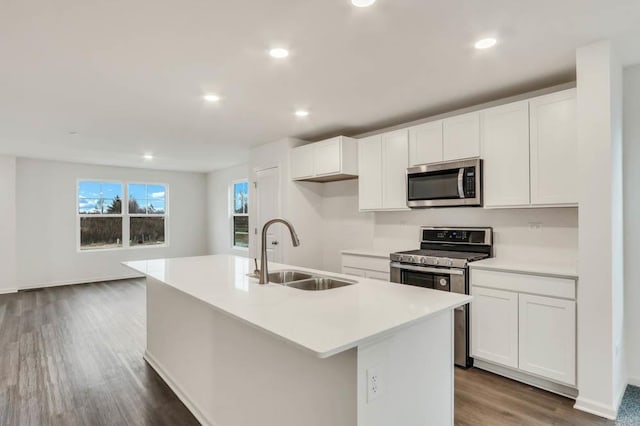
[238, 353]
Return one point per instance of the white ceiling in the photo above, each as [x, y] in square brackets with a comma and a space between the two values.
[128, 76]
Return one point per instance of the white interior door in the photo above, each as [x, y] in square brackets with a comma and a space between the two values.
[268, 205]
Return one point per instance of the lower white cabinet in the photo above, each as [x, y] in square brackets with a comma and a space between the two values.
[547, 337]
[494, 326]
[525, 323]
[366, 266]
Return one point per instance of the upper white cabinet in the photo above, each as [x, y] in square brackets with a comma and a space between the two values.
[370, 170]
[425, 143]
[329, 160]
[554, 149]
[382, 162]
[461, 136]
[505, 151]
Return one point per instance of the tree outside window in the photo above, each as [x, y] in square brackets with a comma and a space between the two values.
[240, 214]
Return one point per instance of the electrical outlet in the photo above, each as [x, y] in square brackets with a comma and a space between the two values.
[374, 383]
[535, 226]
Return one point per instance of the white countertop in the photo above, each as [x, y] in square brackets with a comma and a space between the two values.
[559, 267]
[323, 322]
[369, 252]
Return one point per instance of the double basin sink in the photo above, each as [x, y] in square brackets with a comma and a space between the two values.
[306, 281]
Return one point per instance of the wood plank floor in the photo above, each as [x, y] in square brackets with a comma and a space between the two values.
[73, 356]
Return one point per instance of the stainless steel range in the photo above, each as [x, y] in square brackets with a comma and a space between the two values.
[442, 264]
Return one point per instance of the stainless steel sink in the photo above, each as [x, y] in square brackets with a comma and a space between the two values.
[317, 283]
[284, 277]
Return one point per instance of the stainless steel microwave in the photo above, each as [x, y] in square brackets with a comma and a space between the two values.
[446, 184]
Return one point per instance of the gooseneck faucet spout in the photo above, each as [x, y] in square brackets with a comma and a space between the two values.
[264, 273]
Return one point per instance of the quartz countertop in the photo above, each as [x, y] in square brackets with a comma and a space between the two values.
[323, 322]
[559, 267]
[369, 252]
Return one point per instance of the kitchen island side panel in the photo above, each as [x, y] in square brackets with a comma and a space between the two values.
[229, 373]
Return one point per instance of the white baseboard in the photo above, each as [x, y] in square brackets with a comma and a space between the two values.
[182, 396]
[634, 381]
[523, 377]
[593, 407]
[8, 290]
[82, 281]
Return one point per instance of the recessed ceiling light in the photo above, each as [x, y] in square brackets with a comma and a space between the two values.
[148, 156]
[363, 3]
[301, 113]
[73, 133]
[211, 97]
[485, 43]
[279, 52]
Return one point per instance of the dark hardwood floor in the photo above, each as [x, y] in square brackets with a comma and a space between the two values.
[73, 356]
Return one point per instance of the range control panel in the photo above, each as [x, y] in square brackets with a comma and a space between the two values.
[460, 236]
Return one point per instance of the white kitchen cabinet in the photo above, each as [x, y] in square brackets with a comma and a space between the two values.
[494, 326]
[395, 160]
[370, 171]
[461, 136]
[554, 156]
[302, 162]
[325, 161]
[366, 266]
[425, 143]
[547, 336]
[382, 163]
[505, 154]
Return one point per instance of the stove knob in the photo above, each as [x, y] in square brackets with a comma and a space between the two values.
[443, 282]
[411, 259]
[423, 260]
[449, 262]
[436, 261]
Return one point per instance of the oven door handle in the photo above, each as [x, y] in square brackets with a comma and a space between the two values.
[461, 182]
[427, 269]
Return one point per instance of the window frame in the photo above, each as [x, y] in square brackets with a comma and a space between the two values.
[124, 214]
[233, 214]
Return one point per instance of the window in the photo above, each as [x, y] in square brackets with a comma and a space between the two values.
[240, 214]
[109, 218]
[100, 212]
[146, 208]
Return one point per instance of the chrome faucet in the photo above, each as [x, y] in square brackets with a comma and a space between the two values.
[264, 273]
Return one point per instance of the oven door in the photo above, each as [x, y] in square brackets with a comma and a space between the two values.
[445, 279]
[455, 183]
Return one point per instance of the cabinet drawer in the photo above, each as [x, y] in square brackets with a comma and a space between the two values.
[365, 262]
[375, 275]
[523, 283]
[353, 271]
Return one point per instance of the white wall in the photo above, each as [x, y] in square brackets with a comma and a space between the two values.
[220, 240]
[46, 225]
[601, 376]
[631, 150]
[555, 238]
[8, 282]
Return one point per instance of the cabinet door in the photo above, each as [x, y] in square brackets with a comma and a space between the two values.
[554, 145]
[425, 143]
[395, 160]
[494, 326]
[505, 151]
[461, 136]
[302, 162]
[353, 271]
[326, 157]
[548, 337]
[370, 173]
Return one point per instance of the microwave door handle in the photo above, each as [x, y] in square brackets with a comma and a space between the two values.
[461, 182]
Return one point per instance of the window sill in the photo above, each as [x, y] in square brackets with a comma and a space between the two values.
[99, 250]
